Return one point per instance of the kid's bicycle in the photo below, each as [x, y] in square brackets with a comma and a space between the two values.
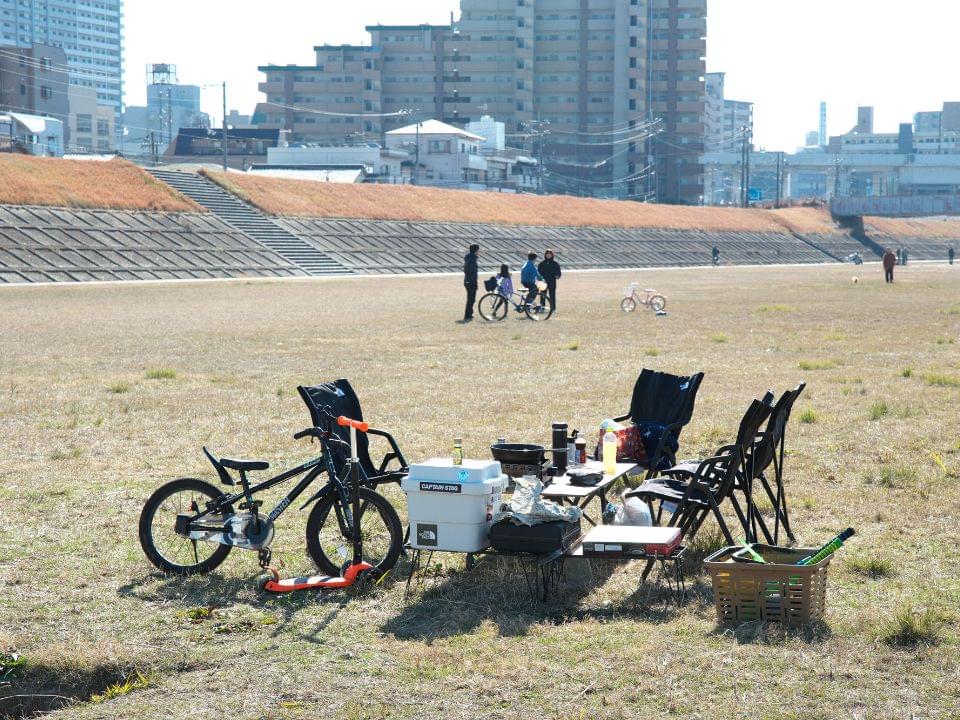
[494, 306]
[189, 526]
[651, 299]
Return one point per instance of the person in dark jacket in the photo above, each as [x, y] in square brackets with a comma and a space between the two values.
[549, 270]
[950, 254]
[470, 273]
[889, 263]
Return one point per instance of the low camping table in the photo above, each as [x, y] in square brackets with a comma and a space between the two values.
[560, 490]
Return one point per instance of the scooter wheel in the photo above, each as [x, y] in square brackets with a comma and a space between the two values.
[265, 577]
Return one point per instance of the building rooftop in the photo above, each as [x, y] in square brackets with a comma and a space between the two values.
[434, 127]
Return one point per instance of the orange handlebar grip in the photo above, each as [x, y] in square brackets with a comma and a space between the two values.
[344, 421]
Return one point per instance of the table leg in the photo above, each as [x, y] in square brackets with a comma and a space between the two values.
[414, 563]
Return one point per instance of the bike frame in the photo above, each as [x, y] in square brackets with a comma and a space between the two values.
[313, 468]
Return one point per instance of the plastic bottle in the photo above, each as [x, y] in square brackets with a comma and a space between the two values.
[458, 451]
[609, 453]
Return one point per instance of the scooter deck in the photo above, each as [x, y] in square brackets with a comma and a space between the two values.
[318, 582]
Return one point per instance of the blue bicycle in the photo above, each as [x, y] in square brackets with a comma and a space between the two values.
[494, 306]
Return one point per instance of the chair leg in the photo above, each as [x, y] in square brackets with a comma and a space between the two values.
[720, 521]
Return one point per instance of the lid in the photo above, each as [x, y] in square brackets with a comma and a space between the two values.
[443, 488]
[443, 470]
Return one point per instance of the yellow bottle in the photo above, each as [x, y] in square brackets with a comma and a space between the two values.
[609, 453]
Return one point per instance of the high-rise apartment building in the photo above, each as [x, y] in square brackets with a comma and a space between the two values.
[90, 32]
[578, 83]
[725, 119]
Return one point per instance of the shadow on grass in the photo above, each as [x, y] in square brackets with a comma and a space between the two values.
[762, 632]
[205, 594]
[497, 591]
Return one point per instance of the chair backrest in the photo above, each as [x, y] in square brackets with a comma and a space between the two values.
[663, 398]
[766, 448]
[719, 472]
[338, 398]
[750, 424]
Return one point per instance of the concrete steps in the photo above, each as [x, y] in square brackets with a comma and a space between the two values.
[252, 223]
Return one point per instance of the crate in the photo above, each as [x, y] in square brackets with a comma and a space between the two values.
[777, 590]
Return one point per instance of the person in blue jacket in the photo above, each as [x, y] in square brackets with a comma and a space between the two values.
[529, 276]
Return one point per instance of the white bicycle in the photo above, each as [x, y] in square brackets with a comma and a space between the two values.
[651, 299]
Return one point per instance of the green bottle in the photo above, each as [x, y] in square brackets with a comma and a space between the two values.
[829, 549]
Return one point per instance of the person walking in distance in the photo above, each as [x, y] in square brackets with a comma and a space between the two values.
[470, 280]
[889, 263]
[549, 270]
[715, 255]
[950, 254]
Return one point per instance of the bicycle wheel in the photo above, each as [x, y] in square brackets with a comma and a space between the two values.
[174, 553]
[658, 303]
[493, 307]
[380, 530]
[628, 304]
[540, 308]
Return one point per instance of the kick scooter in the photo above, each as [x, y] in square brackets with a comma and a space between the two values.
[357, 569]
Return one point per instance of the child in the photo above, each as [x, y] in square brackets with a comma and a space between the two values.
[504, 282]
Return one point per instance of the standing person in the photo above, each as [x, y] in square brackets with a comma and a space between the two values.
[899, 256]
[906, 256]
[550, 272]
[950, 254]
[889, 263]
[470, 280]
[715, 254]
[529, 276]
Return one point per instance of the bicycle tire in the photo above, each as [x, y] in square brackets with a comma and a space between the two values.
[628, 304]
[148, 541]
[493, 307]
[540, 309]
[657, 303]
[321, 520]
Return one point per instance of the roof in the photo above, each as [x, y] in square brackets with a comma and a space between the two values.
[434, 127]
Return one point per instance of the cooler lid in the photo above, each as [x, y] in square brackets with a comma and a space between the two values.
[443, 470]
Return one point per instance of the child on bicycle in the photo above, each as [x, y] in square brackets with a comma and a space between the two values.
[504, 282]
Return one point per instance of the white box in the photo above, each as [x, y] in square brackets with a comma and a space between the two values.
[450, 514]
[443, 469]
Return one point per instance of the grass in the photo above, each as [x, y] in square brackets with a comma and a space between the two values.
[872, 567]
[878, 410]
[719, 338]
[119, 388]
[651, 352]
[82, 605]
[404, 202]
[137, 681]
[161, 374]
[907, 372]
[808, 416]
[118, 184]
[778, 308]
[941, 380]
[819, 364]
[574, 345]
[910, 626]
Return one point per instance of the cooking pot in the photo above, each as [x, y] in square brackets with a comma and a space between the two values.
[518, 453]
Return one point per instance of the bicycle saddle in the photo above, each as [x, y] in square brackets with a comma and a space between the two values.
[233, 464]
[649, 290]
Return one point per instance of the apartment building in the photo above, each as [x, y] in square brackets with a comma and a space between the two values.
[33, 81]
[578, 83]
[725, 119]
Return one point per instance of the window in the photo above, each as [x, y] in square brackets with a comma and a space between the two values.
[23, 88]
[46, 92]
[439, 147]
[633, 62]
[103, 126]
[633, 83]
[45, 63]
[84, 123]
[633, 41]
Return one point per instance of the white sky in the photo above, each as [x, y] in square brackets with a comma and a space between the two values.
[783, 55]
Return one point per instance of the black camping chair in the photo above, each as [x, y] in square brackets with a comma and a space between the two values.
[675, 485]
[338, 398]
[769, 453]
[663, 399]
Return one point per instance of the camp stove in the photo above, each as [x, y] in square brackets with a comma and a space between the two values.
[518, 470]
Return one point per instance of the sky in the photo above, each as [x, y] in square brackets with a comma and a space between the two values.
[783, 55]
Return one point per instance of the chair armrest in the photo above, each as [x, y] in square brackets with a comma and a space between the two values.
[621, 419]
[396, 454]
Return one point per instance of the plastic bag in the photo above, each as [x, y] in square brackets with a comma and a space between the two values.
[527, 506]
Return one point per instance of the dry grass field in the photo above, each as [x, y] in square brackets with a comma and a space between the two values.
[118, 185]
[403, 202]
[109, 390]
[938, 227]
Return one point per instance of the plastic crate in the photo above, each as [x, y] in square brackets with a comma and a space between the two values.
[777, 590]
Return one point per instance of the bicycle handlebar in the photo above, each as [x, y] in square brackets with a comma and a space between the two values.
[344, 421]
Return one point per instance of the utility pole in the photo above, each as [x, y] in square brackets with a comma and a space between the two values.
[224, 126]
[779, 177]
[538, 133]
[743, 167]
[416, 165]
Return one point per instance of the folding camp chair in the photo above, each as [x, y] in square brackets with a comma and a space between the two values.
[769, 452]
[338, 398]
[663, 399]
[676, 481]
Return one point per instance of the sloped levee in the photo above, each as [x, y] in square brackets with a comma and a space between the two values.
[373, 246]
[920, 248]
[40, 244]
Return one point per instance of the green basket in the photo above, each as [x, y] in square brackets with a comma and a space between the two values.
[778, 590]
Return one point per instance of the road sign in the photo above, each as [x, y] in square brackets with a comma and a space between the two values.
[755, 194]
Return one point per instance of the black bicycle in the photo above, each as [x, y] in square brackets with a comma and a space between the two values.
[189, 526]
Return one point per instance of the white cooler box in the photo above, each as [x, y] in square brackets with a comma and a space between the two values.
[451, 507]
